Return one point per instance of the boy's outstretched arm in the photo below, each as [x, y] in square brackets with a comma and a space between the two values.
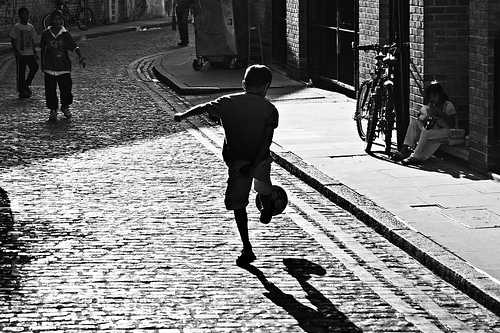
[191, 112]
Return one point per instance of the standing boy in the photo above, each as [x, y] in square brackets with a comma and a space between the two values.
[56, 64]
[22, 37]
[249, 121]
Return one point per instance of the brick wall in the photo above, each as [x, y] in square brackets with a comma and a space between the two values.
[438, 46]
[446, 48]
[39, 8]
[373, 28]
[259, 14]
[484, 152]
[296, 27]
[416, 55]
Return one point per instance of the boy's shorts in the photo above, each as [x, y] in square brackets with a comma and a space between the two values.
[238, 186]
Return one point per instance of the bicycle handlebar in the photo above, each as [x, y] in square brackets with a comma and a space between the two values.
[374, 47]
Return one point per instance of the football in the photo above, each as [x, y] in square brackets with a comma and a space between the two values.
[279, 200]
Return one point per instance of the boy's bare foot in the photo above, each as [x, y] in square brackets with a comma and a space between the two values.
[246, 257]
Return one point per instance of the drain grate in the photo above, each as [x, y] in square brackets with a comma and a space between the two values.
[426, 206]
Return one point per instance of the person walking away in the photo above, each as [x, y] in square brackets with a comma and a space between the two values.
[182, 13]
[432, 127]
[249, 120]
[56, 64]
[22, 38]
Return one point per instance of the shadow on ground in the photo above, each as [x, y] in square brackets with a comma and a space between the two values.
[327, 318]
[438, 164]
[10, 249]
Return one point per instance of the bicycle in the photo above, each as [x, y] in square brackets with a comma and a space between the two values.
[84, 16]
[375, 113]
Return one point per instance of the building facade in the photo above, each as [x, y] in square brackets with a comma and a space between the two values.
[456, 42]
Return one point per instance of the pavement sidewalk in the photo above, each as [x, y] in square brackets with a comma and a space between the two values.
[443, 214]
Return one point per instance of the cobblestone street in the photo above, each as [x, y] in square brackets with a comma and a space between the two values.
[119, 225]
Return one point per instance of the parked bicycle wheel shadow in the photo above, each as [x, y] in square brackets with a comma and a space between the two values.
[327, 318]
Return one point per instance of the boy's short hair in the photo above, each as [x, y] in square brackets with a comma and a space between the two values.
[258, 76]
[54, 14]
[22, 10]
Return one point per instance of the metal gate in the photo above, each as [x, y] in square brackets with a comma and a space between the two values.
[331, 29]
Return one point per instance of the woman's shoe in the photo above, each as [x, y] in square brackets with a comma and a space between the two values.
[411, 161]
[399, 156]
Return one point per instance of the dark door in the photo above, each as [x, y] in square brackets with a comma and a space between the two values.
[331, 29]
[279, 32]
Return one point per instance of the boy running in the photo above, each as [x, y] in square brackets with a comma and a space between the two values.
[22, 38]
[249, 121]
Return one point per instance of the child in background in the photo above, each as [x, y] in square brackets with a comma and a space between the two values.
[430, 129]
[56, 64]
[23, 41]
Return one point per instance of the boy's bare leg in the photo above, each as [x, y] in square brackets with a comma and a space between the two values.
[240, 215]
[247, 255]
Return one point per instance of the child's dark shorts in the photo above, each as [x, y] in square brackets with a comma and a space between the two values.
[238, 186]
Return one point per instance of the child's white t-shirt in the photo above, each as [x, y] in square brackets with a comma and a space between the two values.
[24, 34]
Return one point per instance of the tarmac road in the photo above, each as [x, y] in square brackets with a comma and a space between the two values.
[119, 226]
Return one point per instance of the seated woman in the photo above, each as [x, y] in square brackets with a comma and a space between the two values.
[432, 127]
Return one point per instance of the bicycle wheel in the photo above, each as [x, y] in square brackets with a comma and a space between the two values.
[46, 21]
[362, 108]
[85, 18]
[373, 118]
[390, 117]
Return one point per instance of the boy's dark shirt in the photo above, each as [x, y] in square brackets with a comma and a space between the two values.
[245, 118]
[184, 4]
[55, 51]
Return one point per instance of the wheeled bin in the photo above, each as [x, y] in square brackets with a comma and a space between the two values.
[221, 32]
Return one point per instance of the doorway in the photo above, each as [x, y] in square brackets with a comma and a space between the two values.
[331, 30]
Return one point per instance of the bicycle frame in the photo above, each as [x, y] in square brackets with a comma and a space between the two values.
[67, 13]
[375, 103]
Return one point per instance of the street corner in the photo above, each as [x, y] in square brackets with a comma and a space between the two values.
[175, 69]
